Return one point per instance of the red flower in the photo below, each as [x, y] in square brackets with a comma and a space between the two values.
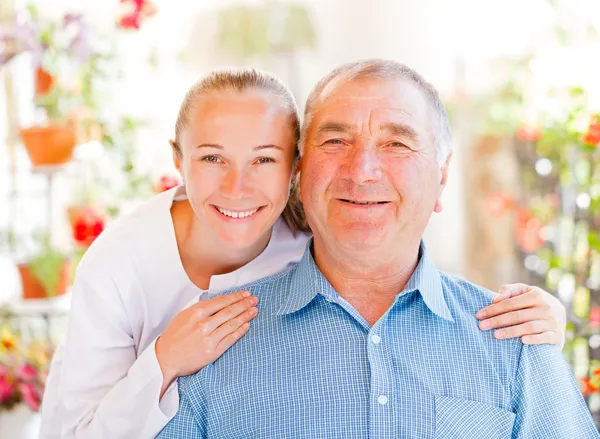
[588, 387]
[6, 389]
[130, 21]
[529, 133]
[166, 182]
[592, 137]
[137, 10]
[87, 223]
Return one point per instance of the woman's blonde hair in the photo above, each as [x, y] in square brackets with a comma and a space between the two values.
[239, 81]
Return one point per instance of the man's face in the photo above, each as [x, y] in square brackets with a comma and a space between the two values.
[369, 173]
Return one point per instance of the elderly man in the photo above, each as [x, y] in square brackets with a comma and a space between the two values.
[365, 337]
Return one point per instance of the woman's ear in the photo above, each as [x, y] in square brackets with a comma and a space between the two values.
[176, 156]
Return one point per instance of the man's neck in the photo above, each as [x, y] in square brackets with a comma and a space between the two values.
[369, 287]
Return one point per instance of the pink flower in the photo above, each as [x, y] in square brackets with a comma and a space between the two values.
[6, 389]
[166, 182]
[30, 395]
[27, 373]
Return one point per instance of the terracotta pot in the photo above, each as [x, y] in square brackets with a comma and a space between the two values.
[43, 81]
[33, 289]
[49, 145]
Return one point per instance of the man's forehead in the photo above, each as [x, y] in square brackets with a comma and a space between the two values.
[381, 98]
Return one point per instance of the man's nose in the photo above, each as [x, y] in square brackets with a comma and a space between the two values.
[364, 165]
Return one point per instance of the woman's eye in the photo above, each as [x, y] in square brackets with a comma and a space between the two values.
[398, 145]
[265, 160]
[334, 141]
[211, 159]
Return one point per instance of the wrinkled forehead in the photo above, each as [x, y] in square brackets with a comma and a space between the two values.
[364, 101]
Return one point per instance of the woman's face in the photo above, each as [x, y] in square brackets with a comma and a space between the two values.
[237, 152]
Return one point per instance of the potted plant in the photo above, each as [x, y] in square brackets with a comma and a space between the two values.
[46, 273]
[60, 51]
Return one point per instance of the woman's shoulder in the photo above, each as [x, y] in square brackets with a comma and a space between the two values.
[143, 229]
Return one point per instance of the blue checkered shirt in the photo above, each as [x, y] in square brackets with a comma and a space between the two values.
[312, 367]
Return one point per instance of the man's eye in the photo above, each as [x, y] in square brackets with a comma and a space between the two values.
[334, 141]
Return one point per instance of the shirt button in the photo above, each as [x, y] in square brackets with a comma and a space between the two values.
[376, 339]
[382, 399]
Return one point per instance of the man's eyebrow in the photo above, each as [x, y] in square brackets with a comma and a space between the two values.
[336, 127]
[399, 129]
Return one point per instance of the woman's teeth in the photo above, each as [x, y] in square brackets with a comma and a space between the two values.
[237, 214]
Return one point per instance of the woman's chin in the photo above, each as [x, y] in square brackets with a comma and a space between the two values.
[239, 239]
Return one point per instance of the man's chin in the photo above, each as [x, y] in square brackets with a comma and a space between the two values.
[361, 238]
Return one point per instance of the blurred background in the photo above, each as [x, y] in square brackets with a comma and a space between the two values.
[89, 93]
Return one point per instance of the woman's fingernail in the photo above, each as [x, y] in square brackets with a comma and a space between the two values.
[499, 334]
[480, 314]
[246, 294]
[485, 325]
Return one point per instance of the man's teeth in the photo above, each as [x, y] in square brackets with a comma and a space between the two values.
[237, 214]
[366, 202]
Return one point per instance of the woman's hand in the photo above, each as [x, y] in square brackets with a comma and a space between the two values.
[200, 334]
[527, 312]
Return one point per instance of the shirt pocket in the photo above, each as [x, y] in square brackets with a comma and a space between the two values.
[460, 418]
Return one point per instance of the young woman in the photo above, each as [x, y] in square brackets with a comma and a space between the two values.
[137, 322]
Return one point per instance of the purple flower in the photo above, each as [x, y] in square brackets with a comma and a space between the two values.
[79, 47]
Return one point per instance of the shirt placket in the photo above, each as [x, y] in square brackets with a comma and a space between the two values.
[383, 396]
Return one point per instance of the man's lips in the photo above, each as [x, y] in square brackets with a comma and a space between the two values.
[363, 202]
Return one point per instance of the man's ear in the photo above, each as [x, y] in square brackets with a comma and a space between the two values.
[442, 185]
[296, 176]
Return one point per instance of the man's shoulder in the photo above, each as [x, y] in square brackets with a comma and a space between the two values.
[270, 289]
[464, 294]
[464, 299]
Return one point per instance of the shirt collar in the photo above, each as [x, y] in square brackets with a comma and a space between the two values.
[308, 281]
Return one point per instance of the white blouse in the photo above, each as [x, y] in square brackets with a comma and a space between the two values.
[105, 381]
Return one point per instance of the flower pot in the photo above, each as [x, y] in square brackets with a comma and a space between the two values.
[19, 422]
[49, 145]
[43, 81]
[32, 288]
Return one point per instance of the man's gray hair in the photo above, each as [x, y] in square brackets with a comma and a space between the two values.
[386, 69]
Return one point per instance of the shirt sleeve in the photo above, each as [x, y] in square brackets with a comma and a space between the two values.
[50, 422]
[546, 398]
[106, 391]
[189, 422]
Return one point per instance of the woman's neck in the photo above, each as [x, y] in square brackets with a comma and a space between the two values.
[202, 253]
